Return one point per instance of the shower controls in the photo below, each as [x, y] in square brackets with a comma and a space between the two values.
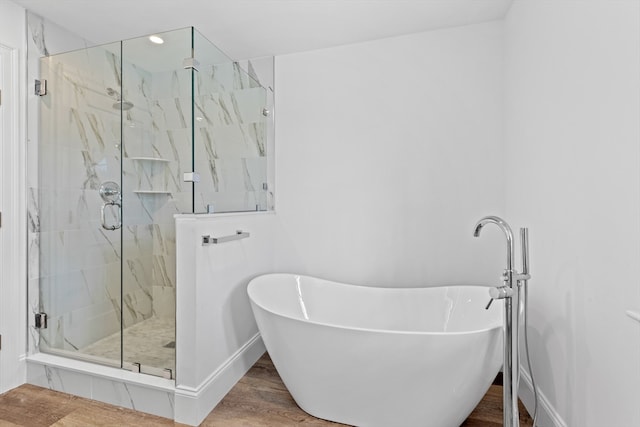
[110, 193]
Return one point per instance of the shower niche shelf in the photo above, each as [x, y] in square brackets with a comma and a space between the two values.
[150, 159]
[152, 192]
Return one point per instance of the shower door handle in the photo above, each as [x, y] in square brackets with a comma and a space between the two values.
[102, 215]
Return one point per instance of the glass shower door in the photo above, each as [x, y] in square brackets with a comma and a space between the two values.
[79, 200]
[157, 80]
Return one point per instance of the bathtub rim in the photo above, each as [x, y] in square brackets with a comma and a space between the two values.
[374, 330]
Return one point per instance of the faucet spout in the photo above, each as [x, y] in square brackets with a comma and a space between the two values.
[502, 224]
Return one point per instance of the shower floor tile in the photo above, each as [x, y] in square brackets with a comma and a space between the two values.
[150, 343]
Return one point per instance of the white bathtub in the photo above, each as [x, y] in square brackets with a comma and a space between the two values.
[380, 356]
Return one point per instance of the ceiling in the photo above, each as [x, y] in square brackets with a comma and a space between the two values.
[252, 28]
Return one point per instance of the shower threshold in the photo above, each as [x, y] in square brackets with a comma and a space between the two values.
[153, 352]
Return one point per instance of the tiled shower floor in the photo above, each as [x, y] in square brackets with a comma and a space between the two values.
[150, 343]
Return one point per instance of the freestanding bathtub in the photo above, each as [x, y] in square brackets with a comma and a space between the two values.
[370, 356]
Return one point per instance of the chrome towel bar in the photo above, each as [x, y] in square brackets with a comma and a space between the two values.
[208, 240]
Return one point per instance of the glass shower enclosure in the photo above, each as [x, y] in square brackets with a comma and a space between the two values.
[131, 133]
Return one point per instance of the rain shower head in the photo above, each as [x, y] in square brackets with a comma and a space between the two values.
[113, 92]
[119, 104]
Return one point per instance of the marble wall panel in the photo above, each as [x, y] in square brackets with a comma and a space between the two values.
[97, 385]
[101, 316]
[164, 301]
[172, 84]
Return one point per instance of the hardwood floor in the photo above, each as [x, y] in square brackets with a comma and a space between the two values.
[261, 399]
[258, 399]
[32, 406]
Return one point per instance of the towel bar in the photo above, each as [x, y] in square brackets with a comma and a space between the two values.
[208, 240]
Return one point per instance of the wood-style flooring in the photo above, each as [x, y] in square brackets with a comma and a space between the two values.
[258, 399]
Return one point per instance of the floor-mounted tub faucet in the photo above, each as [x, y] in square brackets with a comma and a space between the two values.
[511, 367]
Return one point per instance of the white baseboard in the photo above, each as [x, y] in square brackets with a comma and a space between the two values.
[192, 405]
[547, 415]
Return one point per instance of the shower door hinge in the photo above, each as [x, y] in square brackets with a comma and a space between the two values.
[190, 63]
[41, 320]
[41, 87]
[191, 177]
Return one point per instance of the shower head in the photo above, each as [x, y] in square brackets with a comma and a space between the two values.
[119, 104]
[114, 93]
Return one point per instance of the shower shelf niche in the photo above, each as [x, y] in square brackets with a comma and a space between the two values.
[150, 159]
[152, 192]
[152, 170]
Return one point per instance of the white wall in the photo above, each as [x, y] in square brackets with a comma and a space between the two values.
[387, 154]
[216, 332]
[573, 150]
[12, 198]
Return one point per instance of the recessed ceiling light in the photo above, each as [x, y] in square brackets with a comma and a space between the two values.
[156, 39]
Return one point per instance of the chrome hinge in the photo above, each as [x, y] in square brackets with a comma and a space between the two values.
[0, 96]
[0, 342]
[191, 177]
[41, 320]
[41, 87]
[190, 64]
[0, 219]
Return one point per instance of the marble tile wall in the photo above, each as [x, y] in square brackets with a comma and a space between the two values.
[230, 139]
[104, 384]
[229, 133]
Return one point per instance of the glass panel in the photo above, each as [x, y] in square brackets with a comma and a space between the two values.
[229, 134]
[157, 139]
[79, 150]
